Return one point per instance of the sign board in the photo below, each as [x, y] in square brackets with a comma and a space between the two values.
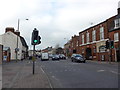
[4, 58]
[102, 49]
[33, 58]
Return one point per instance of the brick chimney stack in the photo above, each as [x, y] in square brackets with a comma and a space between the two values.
[9, 29]
[12, 30]
[17, 33]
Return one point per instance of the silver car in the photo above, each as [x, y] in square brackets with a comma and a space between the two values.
[77, 58]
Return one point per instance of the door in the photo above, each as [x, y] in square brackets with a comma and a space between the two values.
[88, 53]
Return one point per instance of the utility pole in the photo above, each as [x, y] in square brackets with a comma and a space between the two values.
[17, 49]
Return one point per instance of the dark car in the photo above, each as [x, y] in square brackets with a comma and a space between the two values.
[30, 57]
[77, 58]
[55, 57]
[62, 56]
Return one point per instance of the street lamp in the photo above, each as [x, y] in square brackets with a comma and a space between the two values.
[17, 49]
[66, 48]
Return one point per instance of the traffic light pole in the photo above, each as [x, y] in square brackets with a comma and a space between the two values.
[110, 51]
[35, 41]
[33, 59]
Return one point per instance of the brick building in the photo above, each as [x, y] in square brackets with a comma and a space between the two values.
[74, 45]
[114, 35]
[67, 49]
[91, 43]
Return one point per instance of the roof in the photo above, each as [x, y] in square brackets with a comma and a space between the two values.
[117, 16]
[105, 21]
[23, 42]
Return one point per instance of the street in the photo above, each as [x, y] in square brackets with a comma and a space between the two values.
[60, 74]
[67, 74]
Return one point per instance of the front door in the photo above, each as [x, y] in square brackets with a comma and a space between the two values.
[88, 53]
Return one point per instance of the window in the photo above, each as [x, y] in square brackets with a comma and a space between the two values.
[82, 39]
[117, 23]
[87, 37]
[101, 33]
[116, 38]
[72, 44]
[94, 35]
[77, 43]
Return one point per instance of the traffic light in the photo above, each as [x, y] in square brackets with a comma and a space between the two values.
[39, 40]
[112, 44]
[107, 44]
[34, 37]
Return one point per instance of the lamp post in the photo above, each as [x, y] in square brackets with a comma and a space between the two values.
[66, 48]
[17, 49]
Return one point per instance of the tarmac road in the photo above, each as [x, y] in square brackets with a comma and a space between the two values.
[67, 74]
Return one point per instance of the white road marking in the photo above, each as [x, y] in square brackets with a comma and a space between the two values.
[100, 70]
[115, 72]
[54, 77]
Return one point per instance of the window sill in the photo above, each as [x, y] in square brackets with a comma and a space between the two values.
[116, 41]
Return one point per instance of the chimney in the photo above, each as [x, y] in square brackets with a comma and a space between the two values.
[17, 33]
[118, 7]
[9, 29]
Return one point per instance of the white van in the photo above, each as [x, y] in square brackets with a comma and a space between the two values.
[44, 56]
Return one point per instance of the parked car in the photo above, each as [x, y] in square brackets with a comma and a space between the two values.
[62, 56]
[44, 56]
[77, 58]
[55, 57]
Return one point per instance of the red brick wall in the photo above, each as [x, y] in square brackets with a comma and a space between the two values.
[116, 44]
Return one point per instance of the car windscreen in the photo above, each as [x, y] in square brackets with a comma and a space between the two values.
[78, 56]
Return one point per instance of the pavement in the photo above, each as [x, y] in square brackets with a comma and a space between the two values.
[19, 75]
[103, 62]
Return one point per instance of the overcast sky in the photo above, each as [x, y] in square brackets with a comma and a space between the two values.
[56, 20]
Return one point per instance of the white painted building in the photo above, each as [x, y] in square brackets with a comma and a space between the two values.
[9, 39]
